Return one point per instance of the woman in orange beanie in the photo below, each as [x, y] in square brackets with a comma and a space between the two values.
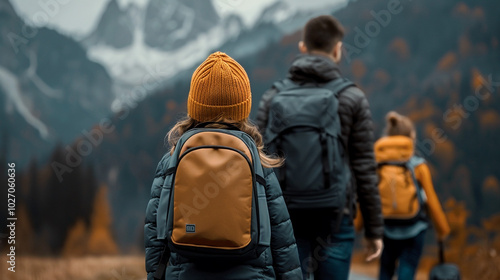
[184, 236]
[404, 235]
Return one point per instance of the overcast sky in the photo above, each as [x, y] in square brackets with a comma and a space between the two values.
[79, 17]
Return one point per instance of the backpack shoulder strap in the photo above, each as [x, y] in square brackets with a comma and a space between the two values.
[338, 85]
[415, 161]
[411, 165]
[168, 170]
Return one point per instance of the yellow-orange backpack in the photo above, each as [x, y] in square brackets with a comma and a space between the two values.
[401, 195]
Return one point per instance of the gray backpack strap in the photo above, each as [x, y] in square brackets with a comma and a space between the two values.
[338, 85]
[263, 211]
[411, 165]
[415, 161]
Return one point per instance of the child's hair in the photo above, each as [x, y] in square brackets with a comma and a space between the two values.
[245, 125]
[397, 124]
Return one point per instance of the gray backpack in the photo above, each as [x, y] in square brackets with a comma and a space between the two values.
[304, 127]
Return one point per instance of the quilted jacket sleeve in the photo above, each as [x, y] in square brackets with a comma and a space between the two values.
[283, 247]
[154, 247]
[357, 131]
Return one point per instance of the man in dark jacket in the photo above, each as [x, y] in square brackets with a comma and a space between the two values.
[324, 247]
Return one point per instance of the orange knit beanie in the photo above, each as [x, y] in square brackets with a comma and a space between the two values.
[219, 88]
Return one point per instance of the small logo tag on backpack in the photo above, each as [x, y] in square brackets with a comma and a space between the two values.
[190, 228]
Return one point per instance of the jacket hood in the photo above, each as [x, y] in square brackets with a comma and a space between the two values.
[393, 148]
[313, 68]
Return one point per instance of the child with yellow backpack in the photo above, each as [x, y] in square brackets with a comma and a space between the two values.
[216, 209]
[408, 199]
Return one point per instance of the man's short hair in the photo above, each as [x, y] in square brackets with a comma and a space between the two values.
[322, 33]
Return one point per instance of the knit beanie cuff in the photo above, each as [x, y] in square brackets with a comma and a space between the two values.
[203, 112]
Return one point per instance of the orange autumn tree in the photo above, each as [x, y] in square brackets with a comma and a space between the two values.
[100, 240]
[25, 234]
[76, 242]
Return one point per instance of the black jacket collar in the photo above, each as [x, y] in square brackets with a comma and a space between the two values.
[308, 68]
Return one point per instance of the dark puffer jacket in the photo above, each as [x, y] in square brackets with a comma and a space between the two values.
[279, 261]
[357, 134]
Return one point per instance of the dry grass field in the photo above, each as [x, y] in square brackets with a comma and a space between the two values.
[82, 268]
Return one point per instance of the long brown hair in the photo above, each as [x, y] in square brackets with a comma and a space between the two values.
[246, 126]
[397, 124]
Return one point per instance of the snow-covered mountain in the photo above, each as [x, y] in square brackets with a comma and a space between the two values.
[115, 27]
[169, 25]
[53, 87]
[144, 47]
[50, 91]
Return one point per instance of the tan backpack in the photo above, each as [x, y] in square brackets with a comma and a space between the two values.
[401, 195]
[213, 202]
